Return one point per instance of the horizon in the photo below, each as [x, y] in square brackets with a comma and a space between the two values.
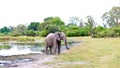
[24, 12]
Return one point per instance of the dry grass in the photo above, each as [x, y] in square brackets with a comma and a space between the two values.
[19, 38]
[96, 52]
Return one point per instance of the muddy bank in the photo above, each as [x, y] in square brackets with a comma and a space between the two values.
[7, 61]
[38, 60]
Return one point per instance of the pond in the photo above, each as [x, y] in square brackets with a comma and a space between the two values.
[21, 49]
[26, 48]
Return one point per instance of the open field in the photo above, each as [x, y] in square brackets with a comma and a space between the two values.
[94, 52]
[91, 53]
[19, 38]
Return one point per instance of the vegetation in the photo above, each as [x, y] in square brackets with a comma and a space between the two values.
[75, 27]
[112, 17]
[19, 39]
[4, 47]
[94, 52]
[100, 50]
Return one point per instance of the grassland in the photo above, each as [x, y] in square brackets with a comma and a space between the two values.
[19, 39]
[4, 47]
[22, 39]
[95, 52]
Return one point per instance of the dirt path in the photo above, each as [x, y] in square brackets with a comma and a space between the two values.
[39, 61]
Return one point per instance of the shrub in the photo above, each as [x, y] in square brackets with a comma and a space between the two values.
[2, 34]
[51, 28]
[5, 47]
[77, 32]
[37, 33]
[72, 33]
[106, 33]
[15, 33]
[43, 33]
[84, 32]
[117, 30]
[31, 33]
[110, 33]
[100, 34]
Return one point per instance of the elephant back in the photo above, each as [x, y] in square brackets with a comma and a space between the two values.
[49, 39]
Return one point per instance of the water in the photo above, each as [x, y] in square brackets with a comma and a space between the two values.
[20, 49]
[23, 49]
[8, 63]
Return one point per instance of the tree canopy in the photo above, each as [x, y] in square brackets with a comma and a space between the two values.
[112, 17]
[75, 26]
[33, 26]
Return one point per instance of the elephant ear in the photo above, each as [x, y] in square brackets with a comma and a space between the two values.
[62, 35]
[57, 36]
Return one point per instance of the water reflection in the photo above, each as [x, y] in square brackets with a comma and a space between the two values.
[25, 48]
[17, 52]
[17, 49]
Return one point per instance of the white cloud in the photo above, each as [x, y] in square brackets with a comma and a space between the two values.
[14, 12]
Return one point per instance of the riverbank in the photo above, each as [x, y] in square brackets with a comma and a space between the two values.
[41, 61]
[94, 52]
[39, 58]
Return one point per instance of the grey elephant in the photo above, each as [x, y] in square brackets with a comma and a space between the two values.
[53, 40]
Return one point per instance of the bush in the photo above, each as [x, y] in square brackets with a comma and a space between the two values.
[100, 34]
[117, 30]
[5, 47]
[16, 34]
[84, 32]
[76, 31]
[110, 33]
[31, 33]
[2, 34]
[106, 33]
[37, 33]
[72, 33]
[43, 33]
[51, 28]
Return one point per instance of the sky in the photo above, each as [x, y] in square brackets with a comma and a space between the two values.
[15, 12]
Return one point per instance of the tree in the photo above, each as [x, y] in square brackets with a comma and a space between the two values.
[19, 30]
[48, 19]
[54, 20]
[73, 20]
[81, 23]
[42, 25]
[51, 24]
[90, 23]
[4, 30]
[112, 17]
[11, 28]
[51, 28]
[33, 26]
[31, 33]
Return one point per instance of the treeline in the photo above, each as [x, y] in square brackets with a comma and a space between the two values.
[75, 27]
[50, 25]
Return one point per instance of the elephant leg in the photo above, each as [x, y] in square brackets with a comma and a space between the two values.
[55, 49]
[59, 47]
[46, 50]
[50, 49]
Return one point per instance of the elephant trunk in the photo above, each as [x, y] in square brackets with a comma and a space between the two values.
[65, 40]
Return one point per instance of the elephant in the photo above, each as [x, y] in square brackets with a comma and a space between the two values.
[53, 40]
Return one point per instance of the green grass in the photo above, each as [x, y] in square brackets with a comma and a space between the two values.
[19, 38]
[96, 52]
[4, 47]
